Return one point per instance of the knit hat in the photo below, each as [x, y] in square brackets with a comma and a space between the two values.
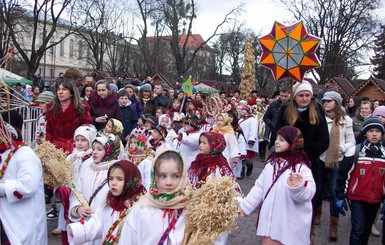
[111, 144]
[192, 120]
[332, 95]
[178, 116]
[379, 111]
[372, 122]
[152, 119]
[88, 131]
[293, 136]
[45, 97]
[302, 86]
[161, 130]
[146, 87]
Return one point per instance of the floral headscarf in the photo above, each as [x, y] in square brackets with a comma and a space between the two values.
[216, 141]
[111, 144]
[142, 151]
[132, 189]
[176, 199]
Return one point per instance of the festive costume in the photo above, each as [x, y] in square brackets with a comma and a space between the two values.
[161, 145]
[286, 212]
[160, 213]
[107, 222]
[92, 181]
[232, 149]
[203, 124]
[21, 193]
[249, 126]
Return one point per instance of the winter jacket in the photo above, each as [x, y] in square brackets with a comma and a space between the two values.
[149, 106]
[365, 178]
[316, 137]
[100, 107]
[61, 127]
[129, 120]
[271, 115]
[162, 101]
[358, 120]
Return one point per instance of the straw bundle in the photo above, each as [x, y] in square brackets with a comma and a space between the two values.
[211, 212]
[57, 170]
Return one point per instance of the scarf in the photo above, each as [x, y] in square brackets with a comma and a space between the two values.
[288, 159]
[77, 158]
[132, 189]
[226, 128]
[176, 199]
[64, 104]
[332, 153]
[111, 144]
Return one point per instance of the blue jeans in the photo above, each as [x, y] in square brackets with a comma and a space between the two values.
[362, 217]
[320, 180]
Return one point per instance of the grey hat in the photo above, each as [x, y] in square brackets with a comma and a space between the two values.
[332, 95]
[146, 87]
[45, 97]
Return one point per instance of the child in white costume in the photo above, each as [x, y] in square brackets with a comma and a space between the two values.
[92, 181]
[188, 141]
[125, 188]
[83, 138]
[159, 217]
[158, 140]
[232, 152]
[21, 191]
[140, 153]
[284, 190]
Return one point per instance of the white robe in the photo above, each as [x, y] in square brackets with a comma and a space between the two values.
[95, 228]
[91, 176]
[188, 147]
[249, 127]
[286, 213]
[24, 220]
[146, 225]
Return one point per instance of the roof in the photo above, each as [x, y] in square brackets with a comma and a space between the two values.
[344, 84]
[193, 40]
[379, 83]
[163, 79]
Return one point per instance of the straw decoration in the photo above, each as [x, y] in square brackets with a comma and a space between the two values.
[211, 212]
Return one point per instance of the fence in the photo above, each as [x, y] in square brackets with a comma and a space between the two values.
[30, 117]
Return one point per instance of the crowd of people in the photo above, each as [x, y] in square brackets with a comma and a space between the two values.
[139, 150]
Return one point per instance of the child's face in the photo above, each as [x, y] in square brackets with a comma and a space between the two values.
[102, 91]
[281, 144]
[140, 122]
[158, 113]
[98, 152]
[43, 107]
[123, 100]
[81, 143]
[373, 135]
[130, 92]
[156, 135]
[176, 104]
[148, 125]
[116, 181]
[167, 176]
[244, 112]
[187, 127]
[220, 121]
[164, 122]
[204, 146]
[109, 128]
[198, 114]
[133, 144]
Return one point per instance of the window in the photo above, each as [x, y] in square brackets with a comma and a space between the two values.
[71, 48]
[80, 50]
[62, 48]
[52, 49]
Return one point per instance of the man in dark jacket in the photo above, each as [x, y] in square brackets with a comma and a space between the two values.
[271, 115]
[160, 99]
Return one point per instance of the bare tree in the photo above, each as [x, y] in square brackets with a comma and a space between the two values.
[346, 28]
[37, 25]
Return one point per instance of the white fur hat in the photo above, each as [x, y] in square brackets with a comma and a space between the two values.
[88, 131]
[302, 86]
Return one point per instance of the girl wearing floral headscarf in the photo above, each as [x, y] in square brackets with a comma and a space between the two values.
[223, 126]
[125, 189]
[92, 181]
[210, 161]
[159, 217]
[283, 191]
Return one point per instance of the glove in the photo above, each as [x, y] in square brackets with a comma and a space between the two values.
[383, 210]
[251, 142]
[342, 206]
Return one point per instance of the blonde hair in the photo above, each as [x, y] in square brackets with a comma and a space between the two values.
[291, 114]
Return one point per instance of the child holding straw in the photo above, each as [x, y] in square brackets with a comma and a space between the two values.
[125, 188]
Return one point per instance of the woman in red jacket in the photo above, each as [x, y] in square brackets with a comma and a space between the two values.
[65, 114]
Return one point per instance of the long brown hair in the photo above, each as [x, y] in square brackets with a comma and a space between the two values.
[75, 97]
[291, 114]
[339, 113]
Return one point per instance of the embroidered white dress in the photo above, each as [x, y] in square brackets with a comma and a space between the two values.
[22, 198]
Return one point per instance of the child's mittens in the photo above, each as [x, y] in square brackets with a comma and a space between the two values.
[294, 180]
